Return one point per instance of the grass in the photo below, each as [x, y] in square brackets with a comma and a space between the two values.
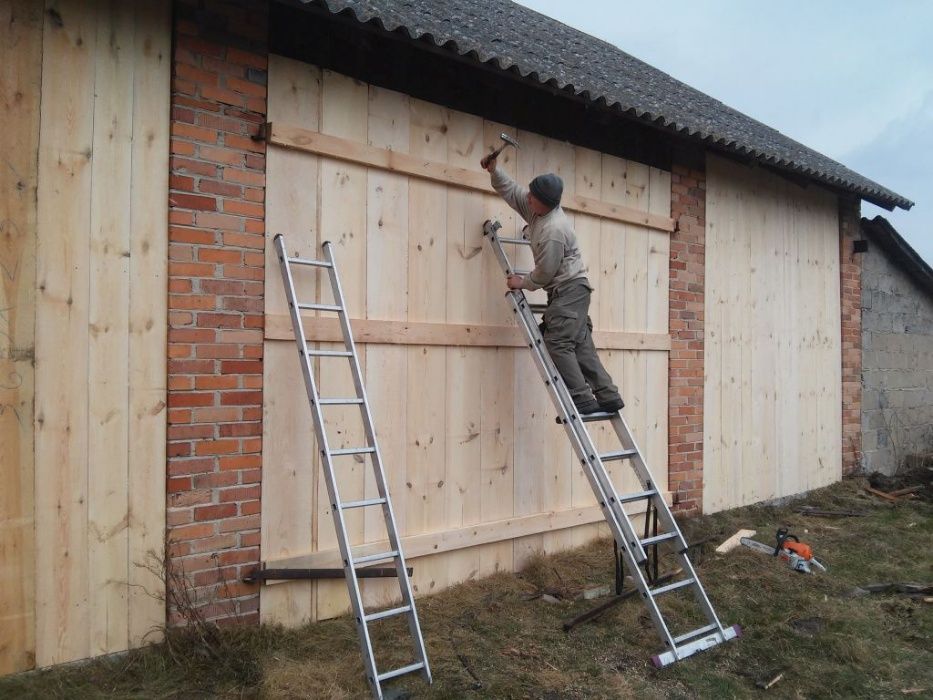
[497, 638]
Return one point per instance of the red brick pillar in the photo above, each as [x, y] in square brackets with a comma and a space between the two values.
[685, 388]
[216, 251]
[850, 279]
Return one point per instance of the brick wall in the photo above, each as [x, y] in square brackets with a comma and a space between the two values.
[216, 234]
[687, 275]
[850, 274]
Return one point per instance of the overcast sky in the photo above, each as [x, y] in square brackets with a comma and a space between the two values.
[851, 79]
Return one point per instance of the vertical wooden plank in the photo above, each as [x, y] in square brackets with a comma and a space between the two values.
[21, 29]
[789, 434]
[634, 194]
[64, 197]
[531, 401]
[109, 315]
[386, 297]
[713, 309]
[465, 215]
[496, 310]
[588, 183]
[498, 444]
[498, 377]
[148, 309]
[624, 278]
[291, 468]
[427, 383]
[657, 316]
[345, 189]
[292, 477]
[761, 440]
[558, 480]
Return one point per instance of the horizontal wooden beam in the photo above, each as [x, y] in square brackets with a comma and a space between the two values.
[296, 138]
[279, 327]
[451, 540]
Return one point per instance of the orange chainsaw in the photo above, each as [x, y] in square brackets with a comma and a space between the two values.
[789, 548]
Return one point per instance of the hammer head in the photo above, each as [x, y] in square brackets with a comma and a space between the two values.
[508, 139]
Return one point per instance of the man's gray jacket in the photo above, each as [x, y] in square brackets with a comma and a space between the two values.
[553, 241]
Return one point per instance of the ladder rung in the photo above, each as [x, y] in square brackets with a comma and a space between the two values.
[339, 402]
[353, 451]
[671, 587]
[329, 353]
[515, 241]
[622, 454]
[400, 671]
[320, 307]
[638, 496]
[312, 263]
[521, 272]
[537, 308]
[387, 613]
[376, 557]
[362, 504]
[695, 633]
[658, 538]
[590, 417]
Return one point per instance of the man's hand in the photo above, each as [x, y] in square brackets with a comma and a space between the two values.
[489, 165]
[514, 281]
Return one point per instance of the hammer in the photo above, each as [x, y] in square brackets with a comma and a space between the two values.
[509, 141]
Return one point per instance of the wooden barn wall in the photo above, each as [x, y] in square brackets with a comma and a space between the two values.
[82, 326]
[481, 476]
[772, 411]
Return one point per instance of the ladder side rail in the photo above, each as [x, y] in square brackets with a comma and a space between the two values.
[644, 475]
[667, 518]
[378, 467]
[332, 490]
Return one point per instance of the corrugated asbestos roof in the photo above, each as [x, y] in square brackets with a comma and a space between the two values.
[515, 38]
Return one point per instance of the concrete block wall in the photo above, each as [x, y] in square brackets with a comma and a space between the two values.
[897, 364]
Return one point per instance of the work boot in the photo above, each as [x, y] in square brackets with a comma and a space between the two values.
[612, 405]
[588, 407]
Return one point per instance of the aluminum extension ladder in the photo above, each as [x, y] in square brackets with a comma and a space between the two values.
[630, 544]
[352, 563]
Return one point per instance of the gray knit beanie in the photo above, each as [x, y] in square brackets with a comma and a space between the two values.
[547, 189]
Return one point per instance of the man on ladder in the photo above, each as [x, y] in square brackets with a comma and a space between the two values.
[559, 269]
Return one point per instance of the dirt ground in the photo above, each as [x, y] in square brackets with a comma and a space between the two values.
[821, 635]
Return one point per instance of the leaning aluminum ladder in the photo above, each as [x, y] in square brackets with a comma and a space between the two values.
[630, 544]
[352, 563]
